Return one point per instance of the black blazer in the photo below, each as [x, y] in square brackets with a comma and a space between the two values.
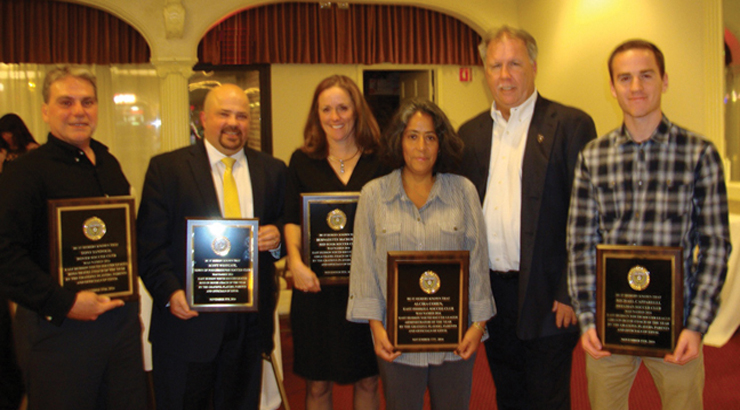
[178, 185]
[556, 135]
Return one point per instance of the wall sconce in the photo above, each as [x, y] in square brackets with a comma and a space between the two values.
[325, 5]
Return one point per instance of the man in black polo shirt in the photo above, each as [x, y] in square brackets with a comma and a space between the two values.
[77, 350]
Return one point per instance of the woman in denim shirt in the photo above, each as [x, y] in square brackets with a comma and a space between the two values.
[420, 206]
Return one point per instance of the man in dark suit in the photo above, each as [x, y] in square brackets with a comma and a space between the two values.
[209, 359]
[522, 153]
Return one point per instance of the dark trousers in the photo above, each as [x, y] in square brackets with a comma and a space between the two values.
[232, 381]
[449, 384]
[11, 382]
[92, 365]
[528, 374]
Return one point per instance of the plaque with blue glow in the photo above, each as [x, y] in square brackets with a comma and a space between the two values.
[222, 265]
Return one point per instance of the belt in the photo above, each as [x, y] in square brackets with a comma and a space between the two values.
[505, 275]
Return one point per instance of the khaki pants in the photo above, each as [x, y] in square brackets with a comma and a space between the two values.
[610, 380]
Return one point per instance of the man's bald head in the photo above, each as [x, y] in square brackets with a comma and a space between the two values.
[225, 118]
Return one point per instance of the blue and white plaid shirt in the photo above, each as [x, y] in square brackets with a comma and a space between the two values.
[668, 191]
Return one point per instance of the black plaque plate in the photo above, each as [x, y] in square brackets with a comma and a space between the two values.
[328, 225]
[92, 245]
[222, 265]
[639, 298]
[427, 300]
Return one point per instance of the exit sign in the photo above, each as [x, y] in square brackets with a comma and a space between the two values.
[466, 74]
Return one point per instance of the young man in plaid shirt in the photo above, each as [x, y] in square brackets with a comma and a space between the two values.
[648, 183]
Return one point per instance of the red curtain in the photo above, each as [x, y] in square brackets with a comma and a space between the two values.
[45, 32]
[304, 33]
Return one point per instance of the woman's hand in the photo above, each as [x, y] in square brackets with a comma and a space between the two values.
[470, 341]
[383, 346]
[303, 278]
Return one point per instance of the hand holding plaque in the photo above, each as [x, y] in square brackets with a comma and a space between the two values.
[639, 299]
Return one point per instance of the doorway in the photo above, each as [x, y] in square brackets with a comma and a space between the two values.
[385, 90]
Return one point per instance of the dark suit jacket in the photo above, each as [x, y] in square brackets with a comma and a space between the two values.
[178, 185]
[556, 135]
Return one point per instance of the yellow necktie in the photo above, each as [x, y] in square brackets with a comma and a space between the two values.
[231, 197]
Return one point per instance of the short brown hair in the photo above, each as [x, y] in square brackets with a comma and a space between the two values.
[641, 45]
[450, 144]
[68, 71]
[367, 132]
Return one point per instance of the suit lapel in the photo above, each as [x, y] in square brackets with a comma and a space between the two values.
[540, 142]
[257, 177]
[483, 153]
[201, 169]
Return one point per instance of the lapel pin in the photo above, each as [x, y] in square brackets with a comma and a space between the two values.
[540, 138]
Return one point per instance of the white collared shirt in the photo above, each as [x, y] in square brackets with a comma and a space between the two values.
[241, 175]
[502, 206]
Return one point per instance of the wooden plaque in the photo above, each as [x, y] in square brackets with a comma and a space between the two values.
[639, 298]
[427, 297]
[92, 245]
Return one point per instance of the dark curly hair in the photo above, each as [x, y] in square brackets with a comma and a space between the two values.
[367, 132]
[450, 145]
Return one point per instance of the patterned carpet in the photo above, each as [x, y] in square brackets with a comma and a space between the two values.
[721, 391]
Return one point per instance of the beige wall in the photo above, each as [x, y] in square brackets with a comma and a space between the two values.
[293, 86]
[292, 89]
[575, 38]
[731, 9]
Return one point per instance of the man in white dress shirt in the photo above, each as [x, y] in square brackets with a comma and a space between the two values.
[520, 154]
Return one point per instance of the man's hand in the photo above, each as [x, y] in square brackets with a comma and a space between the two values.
[179, 306]
[687, 348]
[383, 346]
[592, 345]
[268, 238]
[89, 305]
[564, 314]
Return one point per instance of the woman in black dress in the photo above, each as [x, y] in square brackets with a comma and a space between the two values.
[338, 154]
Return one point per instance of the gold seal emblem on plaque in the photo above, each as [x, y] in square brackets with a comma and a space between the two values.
[429, 282]
[638, 278]
[221, 246]
[336, 219]
[94, 228]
